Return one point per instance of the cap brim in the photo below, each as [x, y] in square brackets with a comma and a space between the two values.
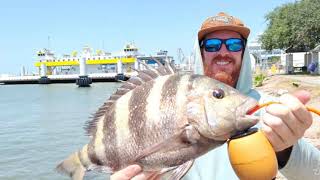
[242, 30]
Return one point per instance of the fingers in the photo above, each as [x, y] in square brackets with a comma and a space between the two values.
[126, 173]
[133, 172]
[278, 133]
[284, 124]
[273, 138]
[298, 109]
[145, 176]
[303, 96]
[284, 115]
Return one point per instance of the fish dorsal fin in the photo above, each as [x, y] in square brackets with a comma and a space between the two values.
[150, 73]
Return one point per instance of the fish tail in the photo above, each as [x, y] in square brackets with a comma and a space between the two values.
[73, 165]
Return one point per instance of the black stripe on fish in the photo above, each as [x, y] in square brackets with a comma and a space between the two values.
[150, 73]
[137, 115]
[145, 77]
[92, 154]
[131, 84]
[106, 140]
[136, 80]
[128, 85]
[122, 91]
[114, 97]
[160, 70]
[193, 78]
[110, 140]
[170, 87]
[168, 101]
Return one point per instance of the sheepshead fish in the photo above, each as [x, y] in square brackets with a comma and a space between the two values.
[161, 120]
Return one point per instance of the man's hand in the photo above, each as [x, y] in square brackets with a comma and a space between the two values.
[133, 172]
[284, 124]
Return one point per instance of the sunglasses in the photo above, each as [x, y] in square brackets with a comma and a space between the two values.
[215, 44]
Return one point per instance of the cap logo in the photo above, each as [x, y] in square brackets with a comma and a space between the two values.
[222, 19]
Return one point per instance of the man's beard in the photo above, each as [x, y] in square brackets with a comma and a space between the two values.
[224, 75]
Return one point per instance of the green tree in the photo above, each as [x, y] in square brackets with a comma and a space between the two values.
[293, 26]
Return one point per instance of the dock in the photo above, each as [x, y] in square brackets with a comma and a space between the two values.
[88, 67]
[71, 78]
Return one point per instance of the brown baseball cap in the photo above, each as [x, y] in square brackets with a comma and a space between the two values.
[223, 21]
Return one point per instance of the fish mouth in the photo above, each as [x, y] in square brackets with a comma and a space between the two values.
[247, 107]
[244, 120]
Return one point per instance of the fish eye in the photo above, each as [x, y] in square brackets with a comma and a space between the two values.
[218, 93]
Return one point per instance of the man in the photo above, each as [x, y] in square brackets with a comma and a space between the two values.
[220, 54]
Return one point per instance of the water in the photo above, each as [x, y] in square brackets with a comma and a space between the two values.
[40, 125]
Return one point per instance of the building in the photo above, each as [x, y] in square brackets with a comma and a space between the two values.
[302, 61]
[262, 56]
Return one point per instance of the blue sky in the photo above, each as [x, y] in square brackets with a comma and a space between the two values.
[151, 25]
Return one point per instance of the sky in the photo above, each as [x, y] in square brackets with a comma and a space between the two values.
[27, 26]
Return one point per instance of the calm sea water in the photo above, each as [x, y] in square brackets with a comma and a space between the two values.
[40, 125]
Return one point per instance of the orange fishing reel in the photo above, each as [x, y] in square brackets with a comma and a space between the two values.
[251, 154]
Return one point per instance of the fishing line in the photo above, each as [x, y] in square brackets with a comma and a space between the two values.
[256, 108]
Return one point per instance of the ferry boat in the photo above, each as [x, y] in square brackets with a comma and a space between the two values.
[87, 67]
[97, 62]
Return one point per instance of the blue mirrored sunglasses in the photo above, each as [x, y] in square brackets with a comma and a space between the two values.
[215, 44]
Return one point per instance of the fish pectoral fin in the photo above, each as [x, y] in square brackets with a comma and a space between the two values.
[190, 135]
[177, 172]
[187, 137]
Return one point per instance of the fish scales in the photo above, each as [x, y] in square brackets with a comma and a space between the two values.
[163, 117]
[168, 107]
[151, 108]
[96, 146]
[147, 107]
[162, 121]
[137, 118]
[131, 126]
[122, 126]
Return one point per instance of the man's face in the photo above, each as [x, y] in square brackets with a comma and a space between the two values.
[222, 65]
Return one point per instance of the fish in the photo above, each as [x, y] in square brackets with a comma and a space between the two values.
[162, 120]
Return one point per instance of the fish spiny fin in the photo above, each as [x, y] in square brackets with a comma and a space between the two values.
[149, 74]
[145, 77]
[91, 125]
[151, 69]
[169, 67]
[157, 61]
[161, 70]
[136, 80]
[165, 69]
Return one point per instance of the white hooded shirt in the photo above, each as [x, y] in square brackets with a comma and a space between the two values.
[304, 162]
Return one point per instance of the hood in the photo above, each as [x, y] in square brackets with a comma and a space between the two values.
[244, 84]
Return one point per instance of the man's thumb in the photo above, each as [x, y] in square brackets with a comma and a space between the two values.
[302, 95]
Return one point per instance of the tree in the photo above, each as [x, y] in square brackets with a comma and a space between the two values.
[293, 27]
